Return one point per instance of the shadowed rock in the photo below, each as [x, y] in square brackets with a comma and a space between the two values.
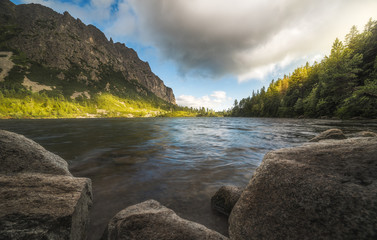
[325, 190]
[150, 220]
[39, 198]
[19, 154]
[329, 134]
[225, 198]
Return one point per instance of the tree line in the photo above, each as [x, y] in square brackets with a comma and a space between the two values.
[343, 84]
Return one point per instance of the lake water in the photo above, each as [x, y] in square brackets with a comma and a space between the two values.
[180, 162]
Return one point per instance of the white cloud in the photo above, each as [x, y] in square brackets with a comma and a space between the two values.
[124, 21]
[218, 101]
[220, 96]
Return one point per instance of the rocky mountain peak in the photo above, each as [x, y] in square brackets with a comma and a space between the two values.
[66, 45]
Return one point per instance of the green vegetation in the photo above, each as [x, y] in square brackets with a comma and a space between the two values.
[342, 85]
[127, 98]
[121, 98]
[177, 111]
[25, 104]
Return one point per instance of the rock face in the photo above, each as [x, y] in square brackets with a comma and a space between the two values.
[43, 206]
[329, 134]
[19, 155]
[78, 56]
[39, 199]
[150, 220]
[225, 198]
[325, 190]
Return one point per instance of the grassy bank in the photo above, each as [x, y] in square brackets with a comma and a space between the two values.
[35, 105]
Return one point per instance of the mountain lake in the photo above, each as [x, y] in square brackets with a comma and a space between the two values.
[180, 162]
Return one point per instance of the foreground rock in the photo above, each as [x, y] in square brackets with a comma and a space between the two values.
[42, 206]
[329, 134]
[225, 198]
[39, 199]
[19, 154]
[325, 190]
[150, 220]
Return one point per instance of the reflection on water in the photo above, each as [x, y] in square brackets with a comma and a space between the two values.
[178, 162]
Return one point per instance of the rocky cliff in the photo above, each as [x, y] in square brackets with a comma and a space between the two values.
[57, 50]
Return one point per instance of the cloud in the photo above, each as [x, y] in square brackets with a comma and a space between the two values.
[218, 100]
[124, 21]
[219, 96]
[246, 38]
[213, 38]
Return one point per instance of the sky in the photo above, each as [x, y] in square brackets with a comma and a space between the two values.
[212, 52]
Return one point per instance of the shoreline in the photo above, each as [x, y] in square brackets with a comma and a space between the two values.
[300, 190]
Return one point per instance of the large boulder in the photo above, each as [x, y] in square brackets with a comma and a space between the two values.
[225, 198]
[325, 190]
[19, 154]
[329, 134]
[44, 206]
[150, 220]
[39, 198]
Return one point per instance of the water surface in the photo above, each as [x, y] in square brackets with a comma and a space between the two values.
[180, 162]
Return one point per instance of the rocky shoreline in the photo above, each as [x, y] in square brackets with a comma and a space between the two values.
[324, 189]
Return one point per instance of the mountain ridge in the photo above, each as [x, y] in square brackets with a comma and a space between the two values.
[74, 55]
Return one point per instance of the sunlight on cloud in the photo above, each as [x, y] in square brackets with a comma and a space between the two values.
[218, 100]
[124, 23]
[214, 38]
[245, 38]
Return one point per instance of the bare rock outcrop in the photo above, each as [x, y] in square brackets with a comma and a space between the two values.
[66, 45]
[324, 190]
[150, 220]
[225, 198]
[39, 198]
[44, 206]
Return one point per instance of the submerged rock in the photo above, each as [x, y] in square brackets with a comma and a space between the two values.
[19, 154]
[225, 198]
[39, 198]
[325, 190]
[329, 134]
[150, 220]
[366, 134]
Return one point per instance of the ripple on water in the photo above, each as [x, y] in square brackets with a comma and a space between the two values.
[179, 162]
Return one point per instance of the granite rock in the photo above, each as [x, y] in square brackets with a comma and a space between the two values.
[44, 206]
[150, 220]
[19, 154]
[325, 190]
